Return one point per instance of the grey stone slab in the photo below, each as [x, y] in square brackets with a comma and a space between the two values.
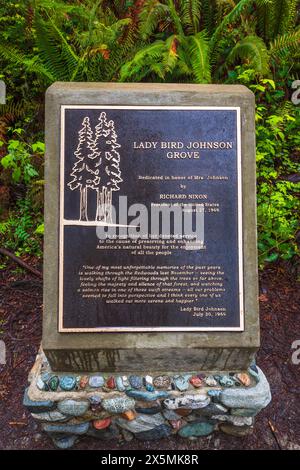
[256, 397]
[154, 351]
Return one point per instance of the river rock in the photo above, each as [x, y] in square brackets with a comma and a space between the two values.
[176, 423]
[77, 429]
[136, 381]
[196, 381]
[67, 382]
[171, 415]
[125, 381]
[50, 416]
[162, 381]
[182, 381]
[210, 381]
[147, 396]
[101, 423]
[95, 400]
[120, 385]
[150, 388]
[183, 412]
[64, 442]
[37, 406]
[141, 423]
[244, 379]
[111, 383]
[256, 397]
[127, 436]
[73, 407]
[215, 395]
[41, 385]
[89, 416]
[226, 381]
[187, 401]
[212, 409]
[235, 420]
[254, 368]
[129, 415]
[46, 376]
[244, 412]
[53, 383]
[148, 379]
[96, 381]
[159, 432]
[84, 380]
[196, 429]
[118, 404]
[148, 410]
[106, 434]
[237, 431]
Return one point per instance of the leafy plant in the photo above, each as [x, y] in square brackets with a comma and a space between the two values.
[22, 231]
[19, 157]
[278, 164]
[200, 41]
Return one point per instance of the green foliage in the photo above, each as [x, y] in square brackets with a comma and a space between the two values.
[212, 38]
[18, 159]
[278, 170]
[252, 50]
[21, 232]
[253, 42]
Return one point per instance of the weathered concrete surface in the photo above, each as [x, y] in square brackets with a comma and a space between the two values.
[157, 351]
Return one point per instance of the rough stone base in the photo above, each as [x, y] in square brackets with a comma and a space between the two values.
[146, 408]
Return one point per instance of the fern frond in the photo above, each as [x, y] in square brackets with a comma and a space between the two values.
[263, 18]
[208, 14]
[140, 65]
[56, 54]
[283, 15]
[230, 18]
[190, 15]
[170, 56]
[31, 65]
[175, 17]
[253, 51]
[198, 49]
[152, 13]
[287, 44]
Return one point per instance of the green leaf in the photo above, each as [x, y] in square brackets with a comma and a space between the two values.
[271, 258]
[40, 229]
[16, 174]
[38, 147]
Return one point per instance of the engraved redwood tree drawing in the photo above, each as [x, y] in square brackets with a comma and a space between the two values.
[97, 167]
[83, 175]
[106, 146]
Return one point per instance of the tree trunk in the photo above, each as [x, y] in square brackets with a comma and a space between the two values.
[83, 204]
[97, 205]
[108, 205]
[104, 201]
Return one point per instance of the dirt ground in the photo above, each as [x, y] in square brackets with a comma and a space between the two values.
[277, 427]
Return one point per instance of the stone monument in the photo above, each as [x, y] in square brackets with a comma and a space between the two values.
[151, 319]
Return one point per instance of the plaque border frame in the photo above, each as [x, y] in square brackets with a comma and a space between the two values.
[62, 223]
